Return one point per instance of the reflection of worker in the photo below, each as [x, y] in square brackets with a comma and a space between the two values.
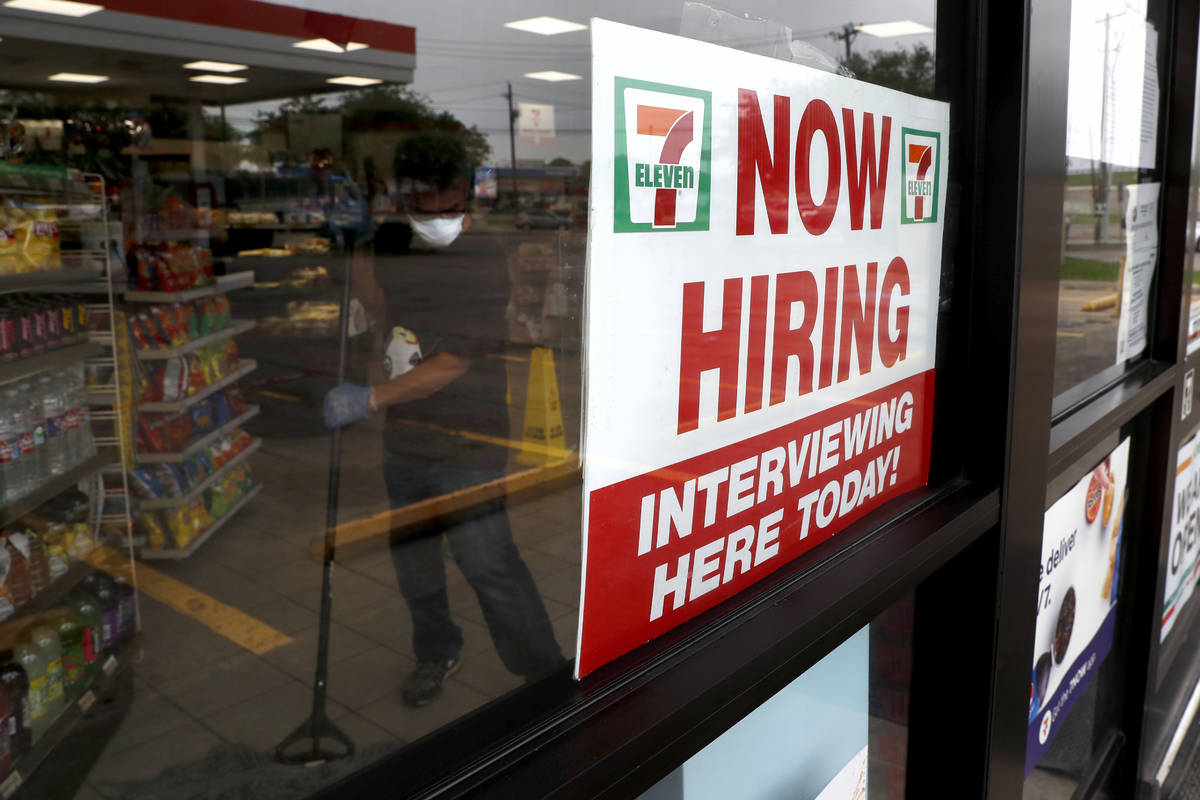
[446, 317]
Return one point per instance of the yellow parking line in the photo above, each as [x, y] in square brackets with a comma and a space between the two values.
[365, 529]
[287, 398]
[511, 444]
[236, 626]
[1070, 334]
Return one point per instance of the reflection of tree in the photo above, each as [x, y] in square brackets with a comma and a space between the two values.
[908, 71]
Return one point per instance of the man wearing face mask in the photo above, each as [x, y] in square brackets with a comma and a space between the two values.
[446, 406]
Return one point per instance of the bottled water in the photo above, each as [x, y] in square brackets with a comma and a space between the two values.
[83, 414]
[30, 433]
[11, 480]
[50, 394]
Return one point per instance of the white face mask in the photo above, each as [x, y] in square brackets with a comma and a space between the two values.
[437, 231]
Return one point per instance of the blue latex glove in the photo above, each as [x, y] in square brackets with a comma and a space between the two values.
[345, 404]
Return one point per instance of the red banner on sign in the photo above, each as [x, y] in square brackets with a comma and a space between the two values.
[666, 546]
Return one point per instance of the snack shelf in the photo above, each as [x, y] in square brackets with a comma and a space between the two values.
[51, 359]
[49, 598]
[236, 328]
[198, 490]
[173, 235]
[245, 367]
[224, 283]
[199, 444]
[280, 226]
[53, 487]
[198, 542]
[61, 727]
[24, 281]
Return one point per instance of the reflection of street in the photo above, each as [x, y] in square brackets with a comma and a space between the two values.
[1087, 340]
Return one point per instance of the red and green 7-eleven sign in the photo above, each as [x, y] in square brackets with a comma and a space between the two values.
[663, 149]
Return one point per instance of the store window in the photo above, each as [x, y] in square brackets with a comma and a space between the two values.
[331, 275]
[1192, 238]
[854, 703]
[1111, 198]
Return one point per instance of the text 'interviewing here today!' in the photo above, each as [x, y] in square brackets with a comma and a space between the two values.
[764, 254]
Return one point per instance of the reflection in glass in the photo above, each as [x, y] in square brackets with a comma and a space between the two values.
[1110, 207]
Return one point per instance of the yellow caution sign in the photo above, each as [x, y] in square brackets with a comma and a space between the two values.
[543, 440]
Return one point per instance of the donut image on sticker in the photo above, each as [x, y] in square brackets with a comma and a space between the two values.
[1066, 623]
[1093, 500]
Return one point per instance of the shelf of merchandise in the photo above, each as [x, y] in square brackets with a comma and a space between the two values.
[80, 200]
[174, 235]
[236, 328]
[100, 687]
[54, 487]
[57, 278]
[245, 367]
[194, 545]
[13, 371]
[197, 491]
[46, 600]
[223, 283]
[198, 444]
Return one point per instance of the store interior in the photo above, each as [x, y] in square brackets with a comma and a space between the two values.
[203, 273]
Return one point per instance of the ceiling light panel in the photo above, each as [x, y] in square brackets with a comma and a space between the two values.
[552, 75]
[66, 8]
[77, 77]
[214, 66]
[353, 80]
[326, 46]
[902, 28]
[546, 26]
[223, 80]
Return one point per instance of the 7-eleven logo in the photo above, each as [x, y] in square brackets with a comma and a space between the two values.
[663, 143]
[920, 162]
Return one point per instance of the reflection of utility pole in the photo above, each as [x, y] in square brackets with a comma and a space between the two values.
[847, 35]
[512, 141]
[1100, 189]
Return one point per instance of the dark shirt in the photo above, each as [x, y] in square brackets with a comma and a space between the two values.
[454, 301]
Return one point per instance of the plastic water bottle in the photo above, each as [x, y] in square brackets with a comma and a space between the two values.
[54, 409]
[10, 451]
[82, 443]
[18, 402]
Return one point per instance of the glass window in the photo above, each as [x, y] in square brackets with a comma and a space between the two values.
[1111, 197]
[852, 744]
[1190, 294]
[332, 265]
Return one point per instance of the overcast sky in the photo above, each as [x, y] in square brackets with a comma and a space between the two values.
[465, 55]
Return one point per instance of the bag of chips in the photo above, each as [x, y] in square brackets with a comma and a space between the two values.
[10, 248]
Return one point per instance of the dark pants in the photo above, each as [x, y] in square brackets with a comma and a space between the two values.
[484, 549]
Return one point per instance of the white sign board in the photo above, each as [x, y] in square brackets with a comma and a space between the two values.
[764, 255]
[1183, 555]
[535, 124]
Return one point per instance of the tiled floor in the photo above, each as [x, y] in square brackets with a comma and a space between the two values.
[200, 698]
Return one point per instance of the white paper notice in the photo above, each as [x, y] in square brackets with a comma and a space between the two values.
[1141, 254]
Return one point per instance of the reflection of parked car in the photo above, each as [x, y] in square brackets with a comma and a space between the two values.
[536, 218]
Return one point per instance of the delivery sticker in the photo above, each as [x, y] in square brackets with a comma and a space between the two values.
[663, 151]
[920, 159]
